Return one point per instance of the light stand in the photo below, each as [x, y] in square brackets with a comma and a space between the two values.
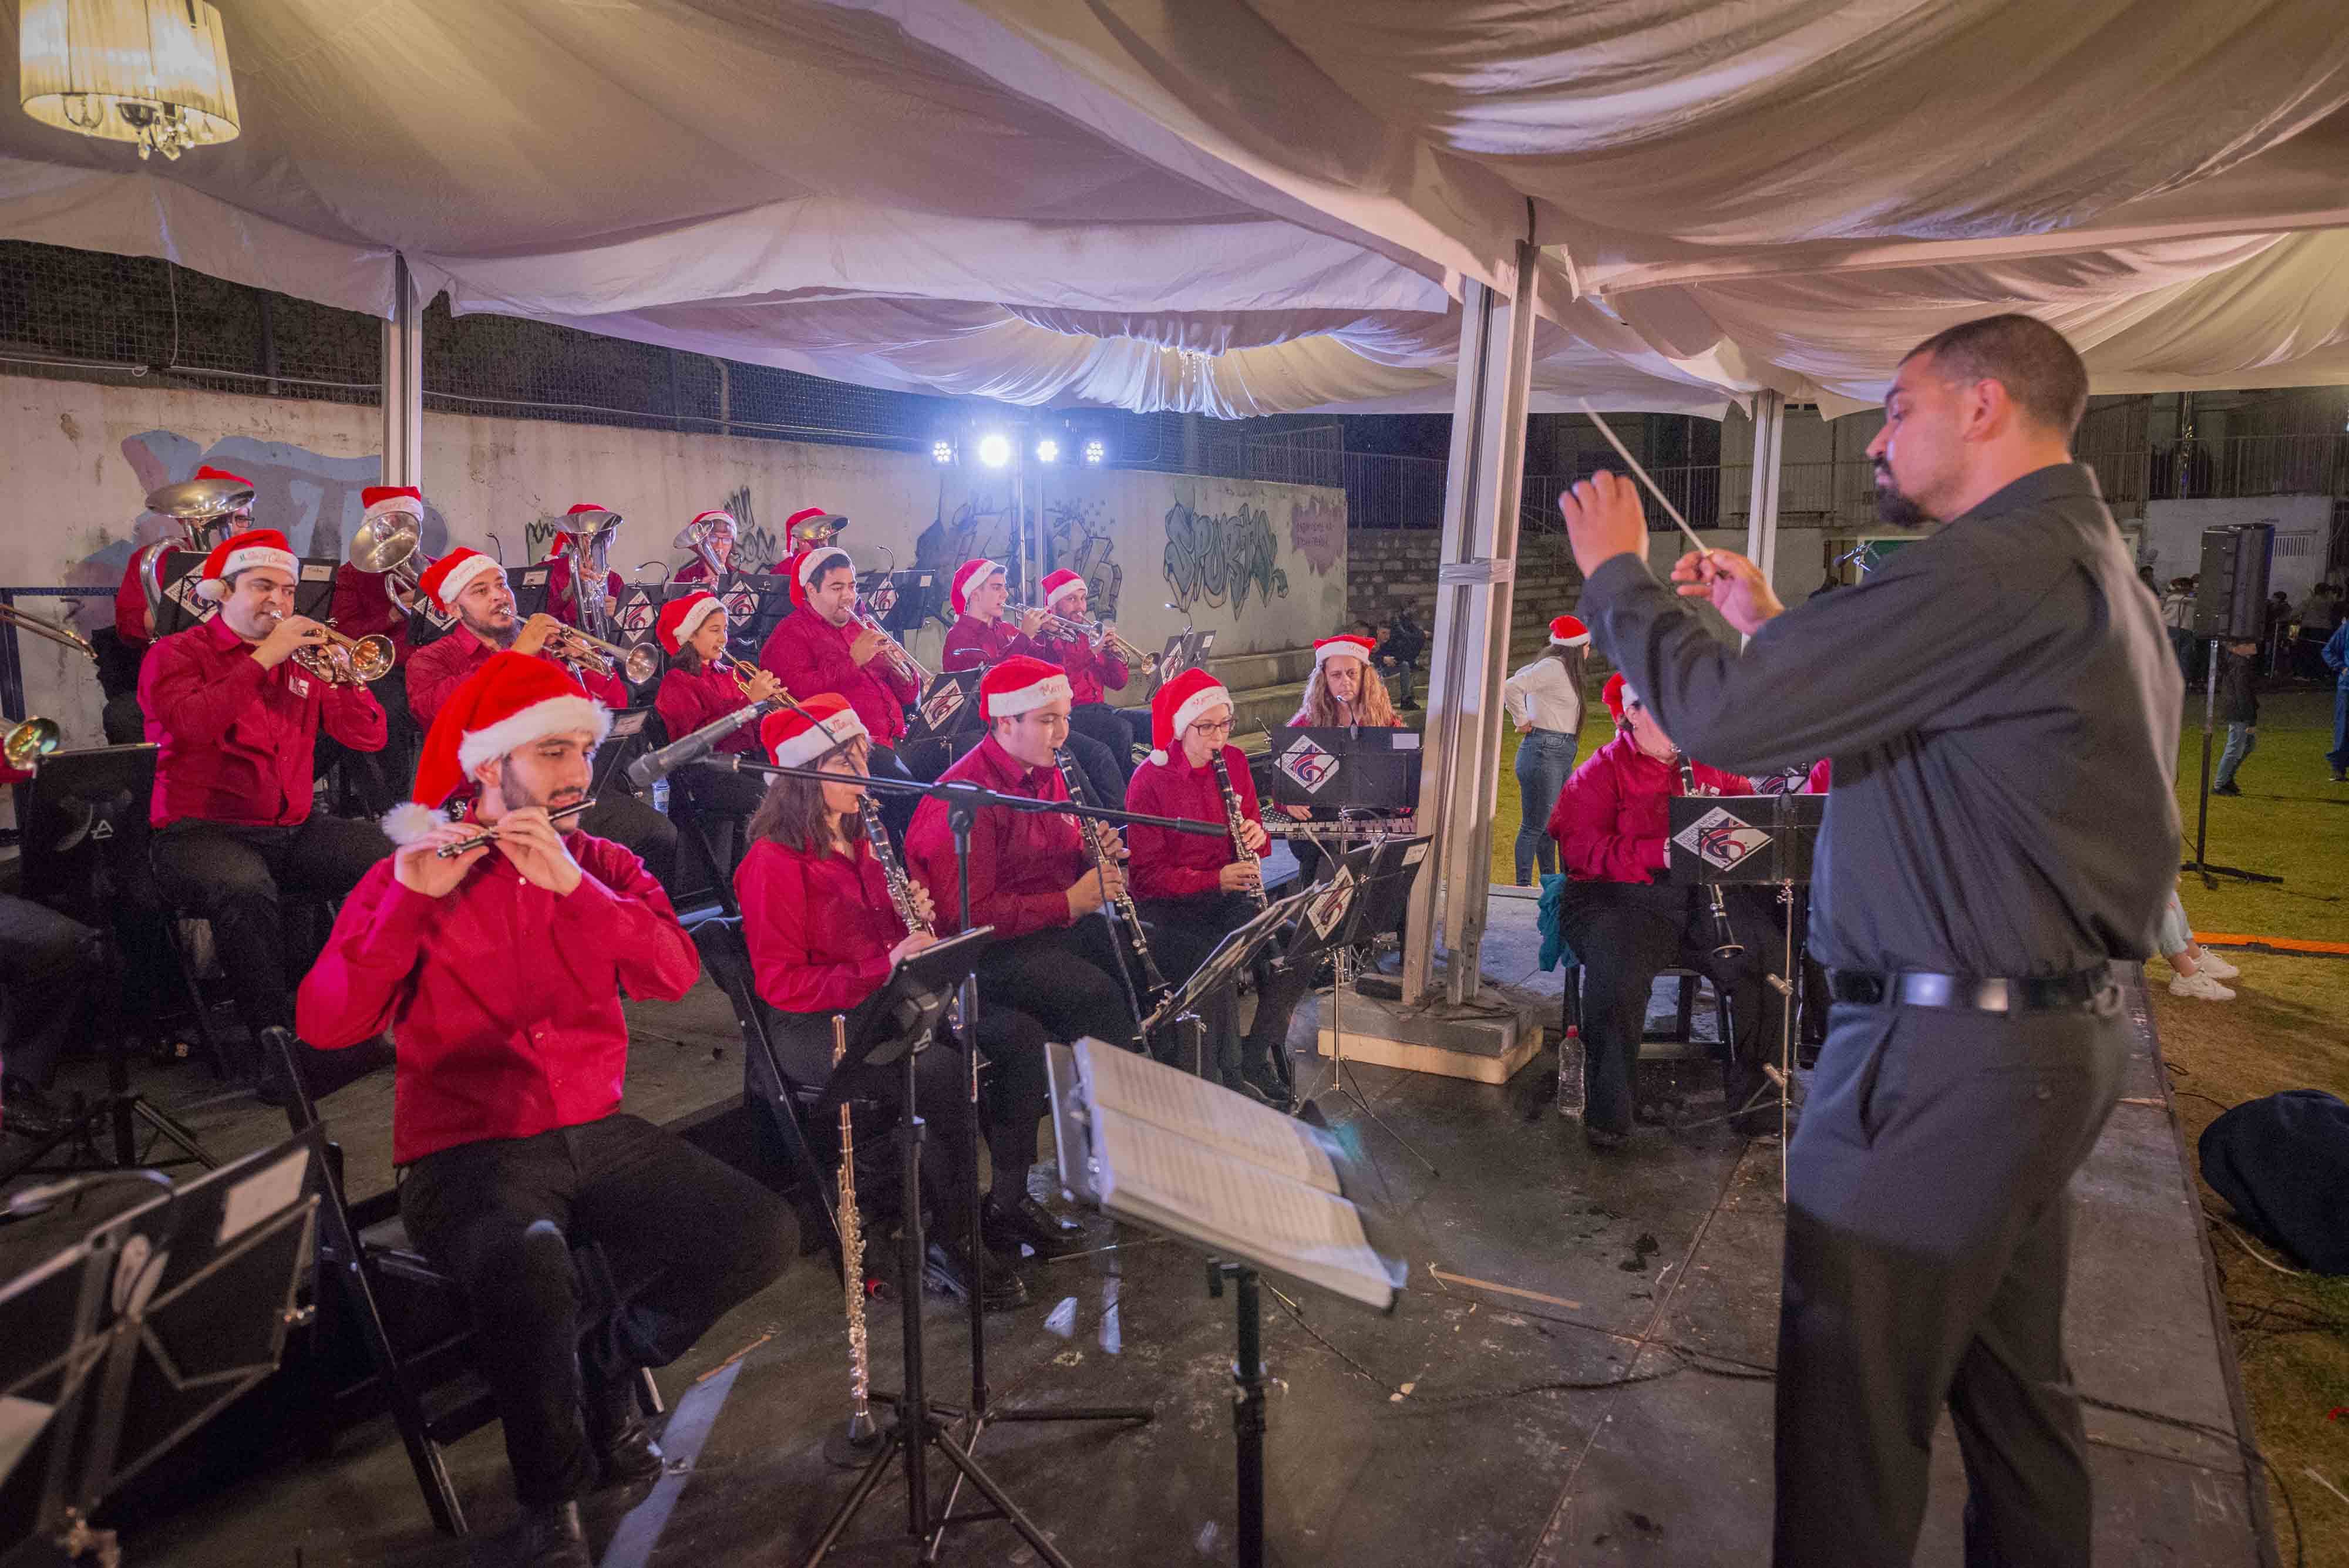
[2200, 865]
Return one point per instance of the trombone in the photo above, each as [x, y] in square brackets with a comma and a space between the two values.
[1092, 633]
[55, 631]
[636, 665]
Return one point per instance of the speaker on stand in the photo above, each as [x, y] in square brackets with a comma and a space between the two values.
[2229, 605]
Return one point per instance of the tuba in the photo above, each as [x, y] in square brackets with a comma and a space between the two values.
[389, 545]
[199, 505]
[591, 534]
[822, 529]
[697, 536]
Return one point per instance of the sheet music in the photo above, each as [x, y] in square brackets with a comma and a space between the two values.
[1280, 1224]
[1170, 1098]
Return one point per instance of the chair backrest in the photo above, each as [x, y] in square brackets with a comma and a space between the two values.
[85, 830]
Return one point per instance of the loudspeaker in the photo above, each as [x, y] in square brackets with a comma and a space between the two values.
[2230, 602]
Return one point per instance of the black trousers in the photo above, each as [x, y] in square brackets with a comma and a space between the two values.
[687, 1237]
[240, 877]
[1099, 722]
[1066, 979]
[1928, 1240]
[1623, 933]
[124, 720]
[47, 964]
[721, 805]
[1183, 933]
[379, 779]
[632, 823]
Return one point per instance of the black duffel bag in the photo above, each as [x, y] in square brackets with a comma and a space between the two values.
[2283, 1163]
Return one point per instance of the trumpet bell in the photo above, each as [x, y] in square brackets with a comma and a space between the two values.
[28, 739]
[194, 500]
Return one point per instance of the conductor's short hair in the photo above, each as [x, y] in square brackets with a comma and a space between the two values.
[2039, 370]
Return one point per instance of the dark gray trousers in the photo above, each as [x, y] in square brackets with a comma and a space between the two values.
[1927, 1239]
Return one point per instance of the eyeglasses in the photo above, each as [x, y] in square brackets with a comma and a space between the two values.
[1203, 727]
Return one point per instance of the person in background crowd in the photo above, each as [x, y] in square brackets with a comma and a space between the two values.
[2178, 617]
[1397, 645]
[1544, 703]
[2277, 630]
[2239, 710]
[2194, 969]
[2316, 617]
[2336, 659]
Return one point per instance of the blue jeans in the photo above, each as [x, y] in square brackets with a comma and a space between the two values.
[2241, 743]
[1544, 759]
[2339, 755]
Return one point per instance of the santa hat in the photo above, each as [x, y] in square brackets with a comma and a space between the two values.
[715, 517]
[1614, 692]
[1060, 583]
[513, 699]
[809, 514]
[445, 578]
[1178, 704]
[1020, 685]
[572, 524]
[1345, 644]
[242, 551]
[808, 566]
[209, 471]
[967, 578]
[1566, 631]
[822, 725]
[379, 498]
[680, 619]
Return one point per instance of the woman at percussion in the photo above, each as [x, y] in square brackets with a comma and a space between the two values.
[1544, 703]
[1192, 890]
[701, 686]
[1343, 693]
[824, 927]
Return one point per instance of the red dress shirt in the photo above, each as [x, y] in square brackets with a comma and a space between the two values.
[1022, 863]
[363, 607]
[1170, 865]
[236, 738]
[1090, 672]
[1612, 817]
[697, 570]
[1821, 777]
[438, 670]
[810, 656]
[820, 927]
[131, 598]
[687, 702]
[973, 643]
[502, 999]
[563, 605]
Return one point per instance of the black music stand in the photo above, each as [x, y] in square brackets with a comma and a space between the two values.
[181, 606]
[1352, 769]
[919, 593]
[529, 586]
[1185, 651]
[85, 844]
[1237, 951]
[756, 603]
[173, 1311]
[1364, 894]
[637, 609]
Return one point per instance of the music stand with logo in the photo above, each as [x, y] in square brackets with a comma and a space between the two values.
[181, 606]
[1349, 769]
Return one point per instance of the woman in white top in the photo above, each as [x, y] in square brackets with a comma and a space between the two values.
[1544, 703]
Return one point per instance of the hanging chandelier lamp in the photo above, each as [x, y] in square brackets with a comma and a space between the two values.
[151, 72]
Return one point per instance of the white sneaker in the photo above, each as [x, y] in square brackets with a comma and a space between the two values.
[2201, 985]
[2216, 967]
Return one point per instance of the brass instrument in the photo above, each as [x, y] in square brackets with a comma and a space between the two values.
[697, 536]
[1153, 984]
[1057, 625]
[591, 534]
[26, 741]
[817, 531]
[490, 834]
[389, 544]
[1094, 634]
[636, 665]
[1107, 640]
[200, 505]
[55, 631]
[899, 656]
[861, 1429]
[341, 661]
[1726, 944]
[1236, 823]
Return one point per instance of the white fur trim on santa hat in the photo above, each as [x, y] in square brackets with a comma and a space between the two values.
[461, 572]
[968, 579]
[818, 563]
[818, 739]
[245, 560]
[554, 716]
[1340, 646]
[410, 822]
[697, 612]
[1198, 702]
[411, 505]
[1027, 699]
[1060, 585]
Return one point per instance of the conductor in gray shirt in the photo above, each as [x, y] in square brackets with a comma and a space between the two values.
[2003, 712]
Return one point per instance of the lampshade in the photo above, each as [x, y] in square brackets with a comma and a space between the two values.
[153, 72]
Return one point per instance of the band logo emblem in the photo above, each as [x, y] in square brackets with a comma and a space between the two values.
[1721, 839]
[1309, 764]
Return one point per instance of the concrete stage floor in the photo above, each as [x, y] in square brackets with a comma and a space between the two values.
[1432, 1435]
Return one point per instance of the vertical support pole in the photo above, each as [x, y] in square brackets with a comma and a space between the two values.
[403, 382]
[1474, 576]
[1762, 513]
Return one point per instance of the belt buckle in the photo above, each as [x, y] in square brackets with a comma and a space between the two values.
[1867, 989]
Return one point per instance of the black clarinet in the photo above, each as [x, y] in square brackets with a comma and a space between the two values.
[892, 871]
[1234, 821]
[1726, 944]
[1137, 939]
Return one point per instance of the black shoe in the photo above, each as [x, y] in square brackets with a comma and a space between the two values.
[624, 1452]
[2224, 789]
[547, 1536]
[1265, 1079]
[1006, 1227]
[1602, 1139]
[946, 1273]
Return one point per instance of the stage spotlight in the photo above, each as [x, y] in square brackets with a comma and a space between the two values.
[994, 451]
[1047, 451]
[942, 450]
[1095, 451]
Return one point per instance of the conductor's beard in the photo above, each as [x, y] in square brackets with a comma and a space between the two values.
[1892, 506]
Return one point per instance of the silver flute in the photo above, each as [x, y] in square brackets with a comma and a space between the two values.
[1238, 825]
[490, 835]
[861, 1427]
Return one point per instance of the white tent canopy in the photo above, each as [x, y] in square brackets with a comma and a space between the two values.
[1258, 206]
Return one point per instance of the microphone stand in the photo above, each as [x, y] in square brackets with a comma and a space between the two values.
[963, 802]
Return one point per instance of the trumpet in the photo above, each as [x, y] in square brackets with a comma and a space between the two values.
[637, 664]
[1056, 624]
[1108, 641]
[27, 740]
[733, 668]
[341, 661]
[55, 631]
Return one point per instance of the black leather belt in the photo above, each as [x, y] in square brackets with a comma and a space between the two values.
[1921, 988]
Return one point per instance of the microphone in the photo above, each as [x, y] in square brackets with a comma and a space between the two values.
[654, 766]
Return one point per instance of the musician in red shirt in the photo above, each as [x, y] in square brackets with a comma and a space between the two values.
[1032, 877]
[1193, 891]
[236, 720]
[583, 522]
[1343, 693]
[720, 537]
[474, 587]
[1625, 919]
[368, 604]
[823, 646]
[980, 638]
[1092, 672]
[498, 972]
[141, 590]
[701, 686]
[823, 931]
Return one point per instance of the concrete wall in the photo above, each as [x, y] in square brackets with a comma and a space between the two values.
[2303, 525]
[1263, 565]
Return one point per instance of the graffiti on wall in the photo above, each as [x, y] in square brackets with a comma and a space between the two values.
[1076, 536]
[756, 548]
[1217, 558]
[1317, 530]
